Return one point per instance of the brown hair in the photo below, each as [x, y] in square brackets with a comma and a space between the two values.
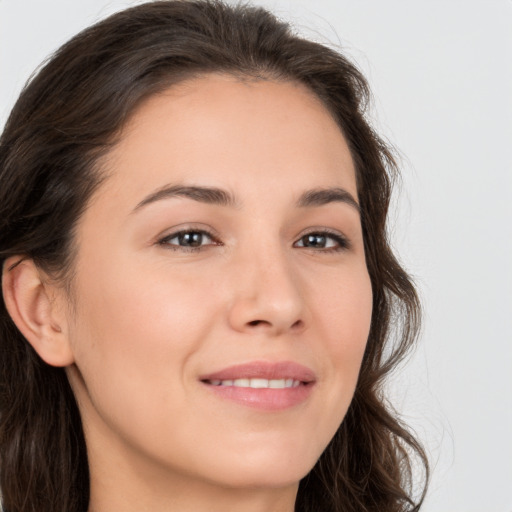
[65, 119]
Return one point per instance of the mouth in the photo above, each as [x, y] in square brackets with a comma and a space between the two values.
[256, 383]
[262, 385]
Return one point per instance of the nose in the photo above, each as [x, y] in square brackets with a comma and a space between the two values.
[267, 298]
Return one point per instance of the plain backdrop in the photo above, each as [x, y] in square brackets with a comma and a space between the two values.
[441, 73]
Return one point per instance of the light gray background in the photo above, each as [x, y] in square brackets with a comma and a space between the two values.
[441, 74]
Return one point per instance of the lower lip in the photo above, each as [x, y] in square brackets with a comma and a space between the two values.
[265, 399]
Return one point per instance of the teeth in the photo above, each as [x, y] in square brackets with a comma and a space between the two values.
[242, 383]
[258, 383]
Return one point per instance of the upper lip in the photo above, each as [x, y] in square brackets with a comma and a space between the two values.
[263, 370]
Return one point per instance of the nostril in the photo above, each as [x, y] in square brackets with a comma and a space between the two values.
[255, 323]
[298, 324]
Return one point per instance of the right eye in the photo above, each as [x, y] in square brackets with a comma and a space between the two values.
[192, 240]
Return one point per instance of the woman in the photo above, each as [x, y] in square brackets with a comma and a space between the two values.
[197, 287]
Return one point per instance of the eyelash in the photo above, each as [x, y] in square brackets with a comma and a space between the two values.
[174, 247]
[342, 243]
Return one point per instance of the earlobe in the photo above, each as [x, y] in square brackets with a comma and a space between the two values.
[34, 307]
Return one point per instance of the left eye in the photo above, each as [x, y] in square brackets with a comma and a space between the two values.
[188, 239]
[322, 241]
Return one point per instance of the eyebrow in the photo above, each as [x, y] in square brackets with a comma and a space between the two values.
[208, 195]
[322, 196]
[212, 195]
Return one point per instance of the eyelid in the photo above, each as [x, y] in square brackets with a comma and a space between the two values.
[342, 240]
[162, 240]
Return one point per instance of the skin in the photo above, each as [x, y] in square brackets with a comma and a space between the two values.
[150, 316]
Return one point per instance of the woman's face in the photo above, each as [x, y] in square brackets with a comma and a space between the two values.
[222, 300]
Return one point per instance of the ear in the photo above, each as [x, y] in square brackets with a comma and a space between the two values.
[37, 308]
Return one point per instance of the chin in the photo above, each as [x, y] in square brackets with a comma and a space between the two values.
[268, 466]
[257, 478]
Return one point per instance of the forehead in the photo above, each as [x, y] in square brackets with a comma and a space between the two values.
[218, 130]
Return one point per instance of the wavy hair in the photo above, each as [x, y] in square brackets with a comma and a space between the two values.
[67, 117]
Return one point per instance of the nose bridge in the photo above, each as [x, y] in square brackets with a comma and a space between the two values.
[267, 292]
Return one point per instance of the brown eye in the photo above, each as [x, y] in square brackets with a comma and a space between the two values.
[188, 239]
[323, 240]
[315, 241]
[192, 239]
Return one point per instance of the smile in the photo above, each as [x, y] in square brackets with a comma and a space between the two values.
[262, 385]
[257, 383]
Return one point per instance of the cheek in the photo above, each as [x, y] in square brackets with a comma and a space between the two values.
[344, 312]
[139, 305]
[344, 309]
[136, 329]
